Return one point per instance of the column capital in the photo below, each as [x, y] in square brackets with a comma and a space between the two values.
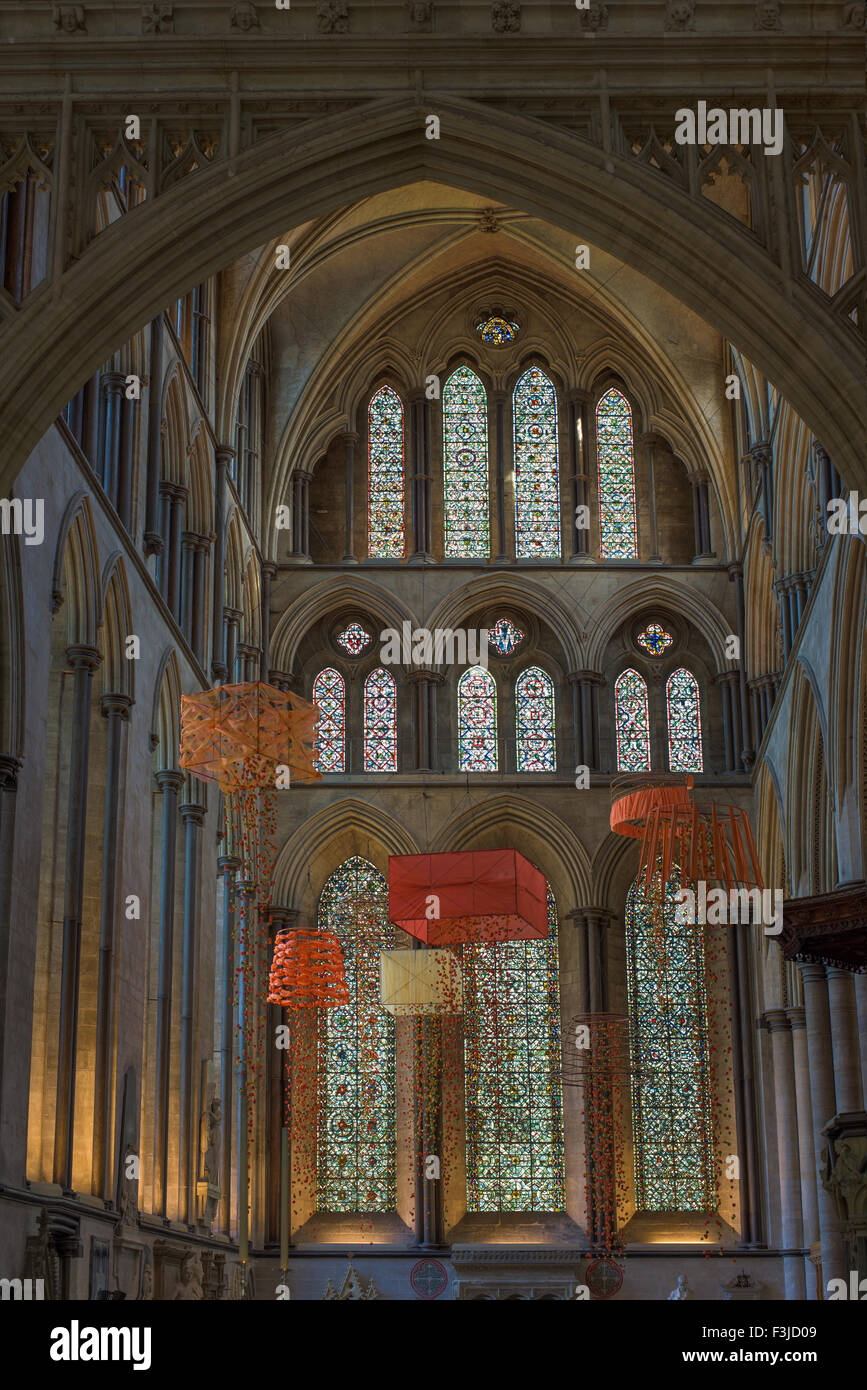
[351, 437]
[224, 454]
[592, 677]
[169, 780]
[776, 1021]
[811, 972]
[153, 543]
[228, 863]
[280, 918]
[116, 703]
[416, 674]
[579, 915]
[576, 395]
[192, 812]
[797, 1016]
[269, 567]
[233, 615]
[762, 454]
[651, 437]
[112, 381]
[735, 571]
[82, 657]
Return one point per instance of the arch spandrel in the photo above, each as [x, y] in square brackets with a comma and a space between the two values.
[230, 207]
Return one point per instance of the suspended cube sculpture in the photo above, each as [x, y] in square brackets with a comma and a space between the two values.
[480, 895]
[415, 983]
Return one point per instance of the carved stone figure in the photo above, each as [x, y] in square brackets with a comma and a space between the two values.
[332, 17]
[768, 15]
[595, 17]
[680, 14]
[855, 15]
[189, 1287]
[69, 19]
[244, 16]
[682, 1292]
[214, 1121]
[420, 15]
[147, 1283]
[505, 17]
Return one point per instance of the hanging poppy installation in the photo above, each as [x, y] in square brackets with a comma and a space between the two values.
[480, 895]
[307, 971]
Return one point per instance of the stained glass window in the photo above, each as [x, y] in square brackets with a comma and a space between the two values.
[353, 639]
[632, 722]
[514, 1090]
[380, 722]
[537, 484]
[465, 466]
[356, 1135]
[496, 331]
[534, 721]
[505, 636]
[684, 721]
[385, 475]
[618, 525]
[671, 1115]
[477, 721]
[654, 639]
[330, 695]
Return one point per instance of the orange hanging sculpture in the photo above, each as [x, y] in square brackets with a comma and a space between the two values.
[239, 735]
[475, 895]
[682, 838]
[307, 970]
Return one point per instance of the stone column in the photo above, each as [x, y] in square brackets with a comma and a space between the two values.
[578, 448]
[762, 460]
[268, 572]
[223, 454]
[824, 1107]
[9, 769]
[111, 384]
[499, 401]
[200, 601]
[232, 619]
[728, 684]
[115, 708]
[300, 482]
[792, 1233]
[425, 685]
[806, 1147]
[193, 817]
[84, 661]
[153, 539]
[350, 440]
[649, 443]
[861, 1011]
[189, 541]
[227, 865]
[279, 1084]
[178, 497]
[746, 748]
[701, 517]
[585, 714]
[419, 409]
[169, 783]
[126, 463]
[844, 1040]
[591, 924]
[743, 1076]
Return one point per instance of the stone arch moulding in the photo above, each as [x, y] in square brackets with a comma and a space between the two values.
[155, 253]
[330, 596]
[667, 592]
[366, 823]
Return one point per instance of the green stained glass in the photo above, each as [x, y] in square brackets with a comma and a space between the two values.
[385, 475]
[514, 1094]
[537, 486]
[618, 526]
[465, 466]
[356, 1135]
[671, 1114]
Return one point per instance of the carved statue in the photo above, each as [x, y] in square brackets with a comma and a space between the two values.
[682, 1292]
[69, 19]
[189, 1287]
[680, 14]
[214, 1120]
[855, 15]
[420, 14]
[244, 16]
[768, 15]
[147, 1283]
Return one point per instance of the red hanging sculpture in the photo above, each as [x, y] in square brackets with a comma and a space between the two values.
[480, 895]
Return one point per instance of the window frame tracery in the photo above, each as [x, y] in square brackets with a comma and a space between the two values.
[602, 391]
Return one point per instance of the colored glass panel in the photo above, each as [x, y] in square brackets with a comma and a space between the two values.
[618, 525]
[505, 636]
[477, 721]
[654, 639]
[356, 1133]
[329, 694]
[514, 1094]
[465, 466]
[534, 721]
[385, 475]
[632, 723]
[684, 722]
[380, 722]
[353, 639]
[537, 485]
[671, 1113]
[497, 331]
